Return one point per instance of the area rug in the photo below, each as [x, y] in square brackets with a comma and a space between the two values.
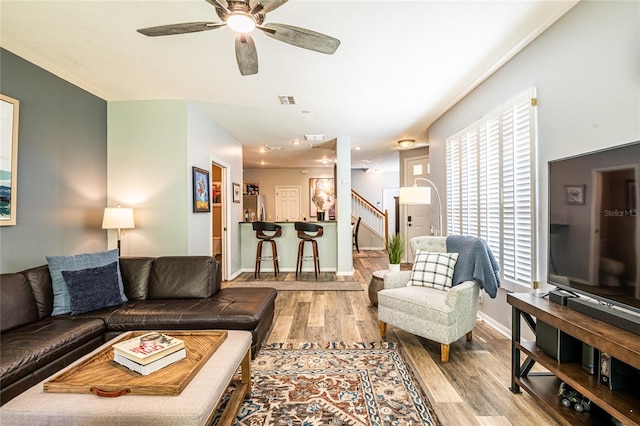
[302, 285]
[339, 385]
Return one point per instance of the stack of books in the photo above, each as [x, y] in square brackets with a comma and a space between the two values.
[149, 352]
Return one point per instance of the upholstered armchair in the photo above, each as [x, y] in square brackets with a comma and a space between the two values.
[433, 313]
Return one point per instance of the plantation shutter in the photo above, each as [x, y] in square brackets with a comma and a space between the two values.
[490, 185]
[517, 118]
[453, 186]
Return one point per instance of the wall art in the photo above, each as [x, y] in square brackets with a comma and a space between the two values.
[322, 196]
[201, 193]
[575, 194]
[9, 108]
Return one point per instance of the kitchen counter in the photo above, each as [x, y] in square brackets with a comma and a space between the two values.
[287, 245]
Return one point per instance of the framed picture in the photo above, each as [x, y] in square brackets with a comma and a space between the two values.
[201, 197]
[236, 192]
[322, 196]
[252, 188]
[216, 188]
[8, 160]
[575, 194]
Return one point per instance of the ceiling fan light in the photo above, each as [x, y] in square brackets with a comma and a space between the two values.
[241, 22]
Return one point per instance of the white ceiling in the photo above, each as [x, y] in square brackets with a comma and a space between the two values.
[400, 65]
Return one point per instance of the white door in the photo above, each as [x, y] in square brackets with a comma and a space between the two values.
[287, 203]
[415, 218]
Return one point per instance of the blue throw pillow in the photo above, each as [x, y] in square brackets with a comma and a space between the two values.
[57, 264]
[93, 288]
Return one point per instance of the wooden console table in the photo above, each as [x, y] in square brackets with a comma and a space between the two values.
[623, 404]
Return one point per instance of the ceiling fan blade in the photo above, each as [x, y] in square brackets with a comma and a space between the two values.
[257, 9]
[189, 27]
[267, 5]
[302, 37]
[222, 4]
[246, 54]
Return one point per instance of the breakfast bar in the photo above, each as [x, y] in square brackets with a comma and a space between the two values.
[288, 248]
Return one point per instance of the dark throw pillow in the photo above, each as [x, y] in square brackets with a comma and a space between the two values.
[93, 288]
[57, 264]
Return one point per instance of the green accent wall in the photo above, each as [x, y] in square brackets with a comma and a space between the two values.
[147, 171]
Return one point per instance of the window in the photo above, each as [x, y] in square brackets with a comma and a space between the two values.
[491, 185]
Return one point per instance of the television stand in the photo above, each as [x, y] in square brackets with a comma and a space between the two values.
[622, 404]
[620, 319]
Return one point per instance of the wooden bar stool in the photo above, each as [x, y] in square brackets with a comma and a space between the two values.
[260, 227]
[303, 228]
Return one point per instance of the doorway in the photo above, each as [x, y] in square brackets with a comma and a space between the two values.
[614, 226]
[218, 203]
[415, 218]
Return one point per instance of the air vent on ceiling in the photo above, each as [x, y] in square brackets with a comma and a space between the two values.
[287, 100]
[314, 137]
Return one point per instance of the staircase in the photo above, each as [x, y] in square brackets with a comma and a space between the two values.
[373, 218]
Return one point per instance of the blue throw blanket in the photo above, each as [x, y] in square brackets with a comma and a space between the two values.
[475, 262]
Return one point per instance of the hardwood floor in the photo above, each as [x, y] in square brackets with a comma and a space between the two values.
[471, 389]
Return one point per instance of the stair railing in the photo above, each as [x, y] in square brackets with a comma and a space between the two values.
[374, 218]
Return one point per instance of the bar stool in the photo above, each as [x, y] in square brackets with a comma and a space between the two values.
[303, 228]
[259, 227]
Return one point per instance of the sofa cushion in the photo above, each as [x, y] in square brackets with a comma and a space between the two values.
[433, 270]
[40, 281]
[230, 308]
[17, 305]
[28, 348]
[57, 264]
[135, 273]
[182, 277]
[93, 288]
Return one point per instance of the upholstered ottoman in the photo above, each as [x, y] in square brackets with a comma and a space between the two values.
[194, 406]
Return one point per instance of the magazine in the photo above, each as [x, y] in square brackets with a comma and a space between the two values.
[148, 347]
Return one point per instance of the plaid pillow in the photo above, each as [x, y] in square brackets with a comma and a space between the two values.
[433, 270]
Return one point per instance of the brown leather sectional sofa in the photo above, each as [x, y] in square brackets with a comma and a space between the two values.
[165, 293]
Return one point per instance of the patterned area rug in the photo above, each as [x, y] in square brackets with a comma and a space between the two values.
[337, 385]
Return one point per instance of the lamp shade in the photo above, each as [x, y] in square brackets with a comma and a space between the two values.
[415, 195]
[118, 218]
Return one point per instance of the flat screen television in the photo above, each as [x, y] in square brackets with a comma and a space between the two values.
[594, 225]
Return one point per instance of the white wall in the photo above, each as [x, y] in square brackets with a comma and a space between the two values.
[370, 185]
[585, 69]
[268, 179]
[206, 140]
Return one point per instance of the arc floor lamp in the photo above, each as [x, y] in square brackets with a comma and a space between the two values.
[421, 195]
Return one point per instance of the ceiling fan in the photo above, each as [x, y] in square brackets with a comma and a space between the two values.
[243, 16]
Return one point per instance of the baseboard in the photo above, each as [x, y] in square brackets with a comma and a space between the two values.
[506, 332]
[234, 275]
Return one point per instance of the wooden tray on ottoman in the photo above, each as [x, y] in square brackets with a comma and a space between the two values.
[101, 375]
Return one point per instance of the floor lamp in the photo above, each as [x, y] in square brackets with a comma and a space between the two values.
[118, 218]
[421, 195]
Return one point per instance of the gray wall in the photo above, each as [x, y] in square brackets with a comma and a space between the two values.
[62, 167]
[585, 69]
